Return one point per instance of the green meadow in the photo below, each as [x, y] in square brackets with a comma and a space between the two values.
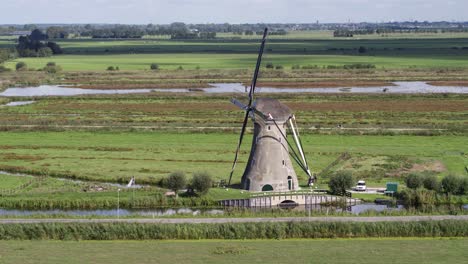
[233, 61]
[149, 156]
[390, 250]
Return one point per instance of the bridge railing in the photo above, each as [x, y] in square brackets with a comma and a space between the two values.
[299, 192]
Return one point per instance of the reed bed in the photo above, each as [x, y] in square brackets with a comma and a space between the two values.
[134, 231]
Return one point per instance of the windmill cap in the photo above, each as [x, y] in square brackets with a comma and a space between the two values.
[273, 107]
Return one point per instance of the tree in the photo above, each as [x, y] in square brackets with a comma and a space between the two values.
[201, 182]
[37, 35]
[451, 184]
[44, 52]
[154, 66]
[430, 182]
[176, 181]
[21, 66]
[51, 67]
[340, 182]
[56, 49]
[56, 32]
[413, 180]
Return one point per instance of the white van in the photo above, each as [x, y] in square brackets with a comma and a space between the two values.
[361, 186]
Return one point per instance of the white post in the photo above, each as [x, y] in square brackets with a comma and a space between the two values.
[118, 203]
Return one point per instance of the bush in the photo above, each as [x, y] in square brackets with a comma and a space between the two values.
[154, 66]
[111, 68]
[21, 66]
[269, 65]
[362, 49]
[44, 52]
[340, 182]
[430, 182]
[279, 67]
[51, 67]
[418, 198]
[4, 69]
[295, 67]
[359, 66]
[180, 68]
[452, 184]
[176, 181]
[201, 182]
[464, 185]
[414, 180]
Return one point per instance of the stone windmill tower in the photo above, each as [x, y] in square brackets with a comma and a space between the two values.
[269, 167]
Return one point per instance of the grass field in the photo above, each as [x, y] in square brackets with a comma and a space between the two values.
[427, 114]
[408, 250]
[98, 54]
[150, 156]
[235, 61]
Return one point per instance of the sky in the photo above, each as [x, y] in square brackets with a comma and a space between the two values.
[229, 11]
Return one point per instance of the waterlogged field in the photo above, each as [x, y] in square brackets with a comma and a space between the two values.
[431, 250]
[116, 157]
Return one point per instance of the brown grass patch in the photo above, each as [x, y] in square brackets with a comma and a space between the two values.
[144, 107]
[14, 156]
[449, 83]
[383, 105]
[435, 166]
[126, 86]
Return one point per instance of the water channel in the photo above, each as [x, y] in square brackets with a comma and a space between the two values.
[396, 88]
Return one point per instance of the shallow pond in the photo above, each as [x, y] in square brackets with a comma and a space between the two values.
[398, 87]
[19, 103]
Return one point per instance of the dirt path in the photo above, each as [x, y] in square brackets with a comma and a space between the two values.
[243, 220]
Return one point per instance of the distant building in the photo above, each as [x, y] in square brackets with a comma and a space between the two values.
[20, 33]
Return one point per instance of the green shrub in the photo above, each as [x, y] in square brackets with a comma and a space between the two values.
[279, 67]
[21, 66]
[414, 180]
[111, 68]
[340, 182]
[4, 69]
[452, 184]
[201, 182]
[418, 198]
[154, 66]
[269, 65]
[431, 182]
[176, 181]
[295, 67]
[51, 67]
[359, 66]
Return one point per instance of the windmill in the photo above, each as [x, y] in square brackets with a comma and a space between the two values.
[269, 167]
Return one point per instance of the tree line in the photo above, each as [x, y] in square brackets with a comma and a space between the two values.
[36, 45]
